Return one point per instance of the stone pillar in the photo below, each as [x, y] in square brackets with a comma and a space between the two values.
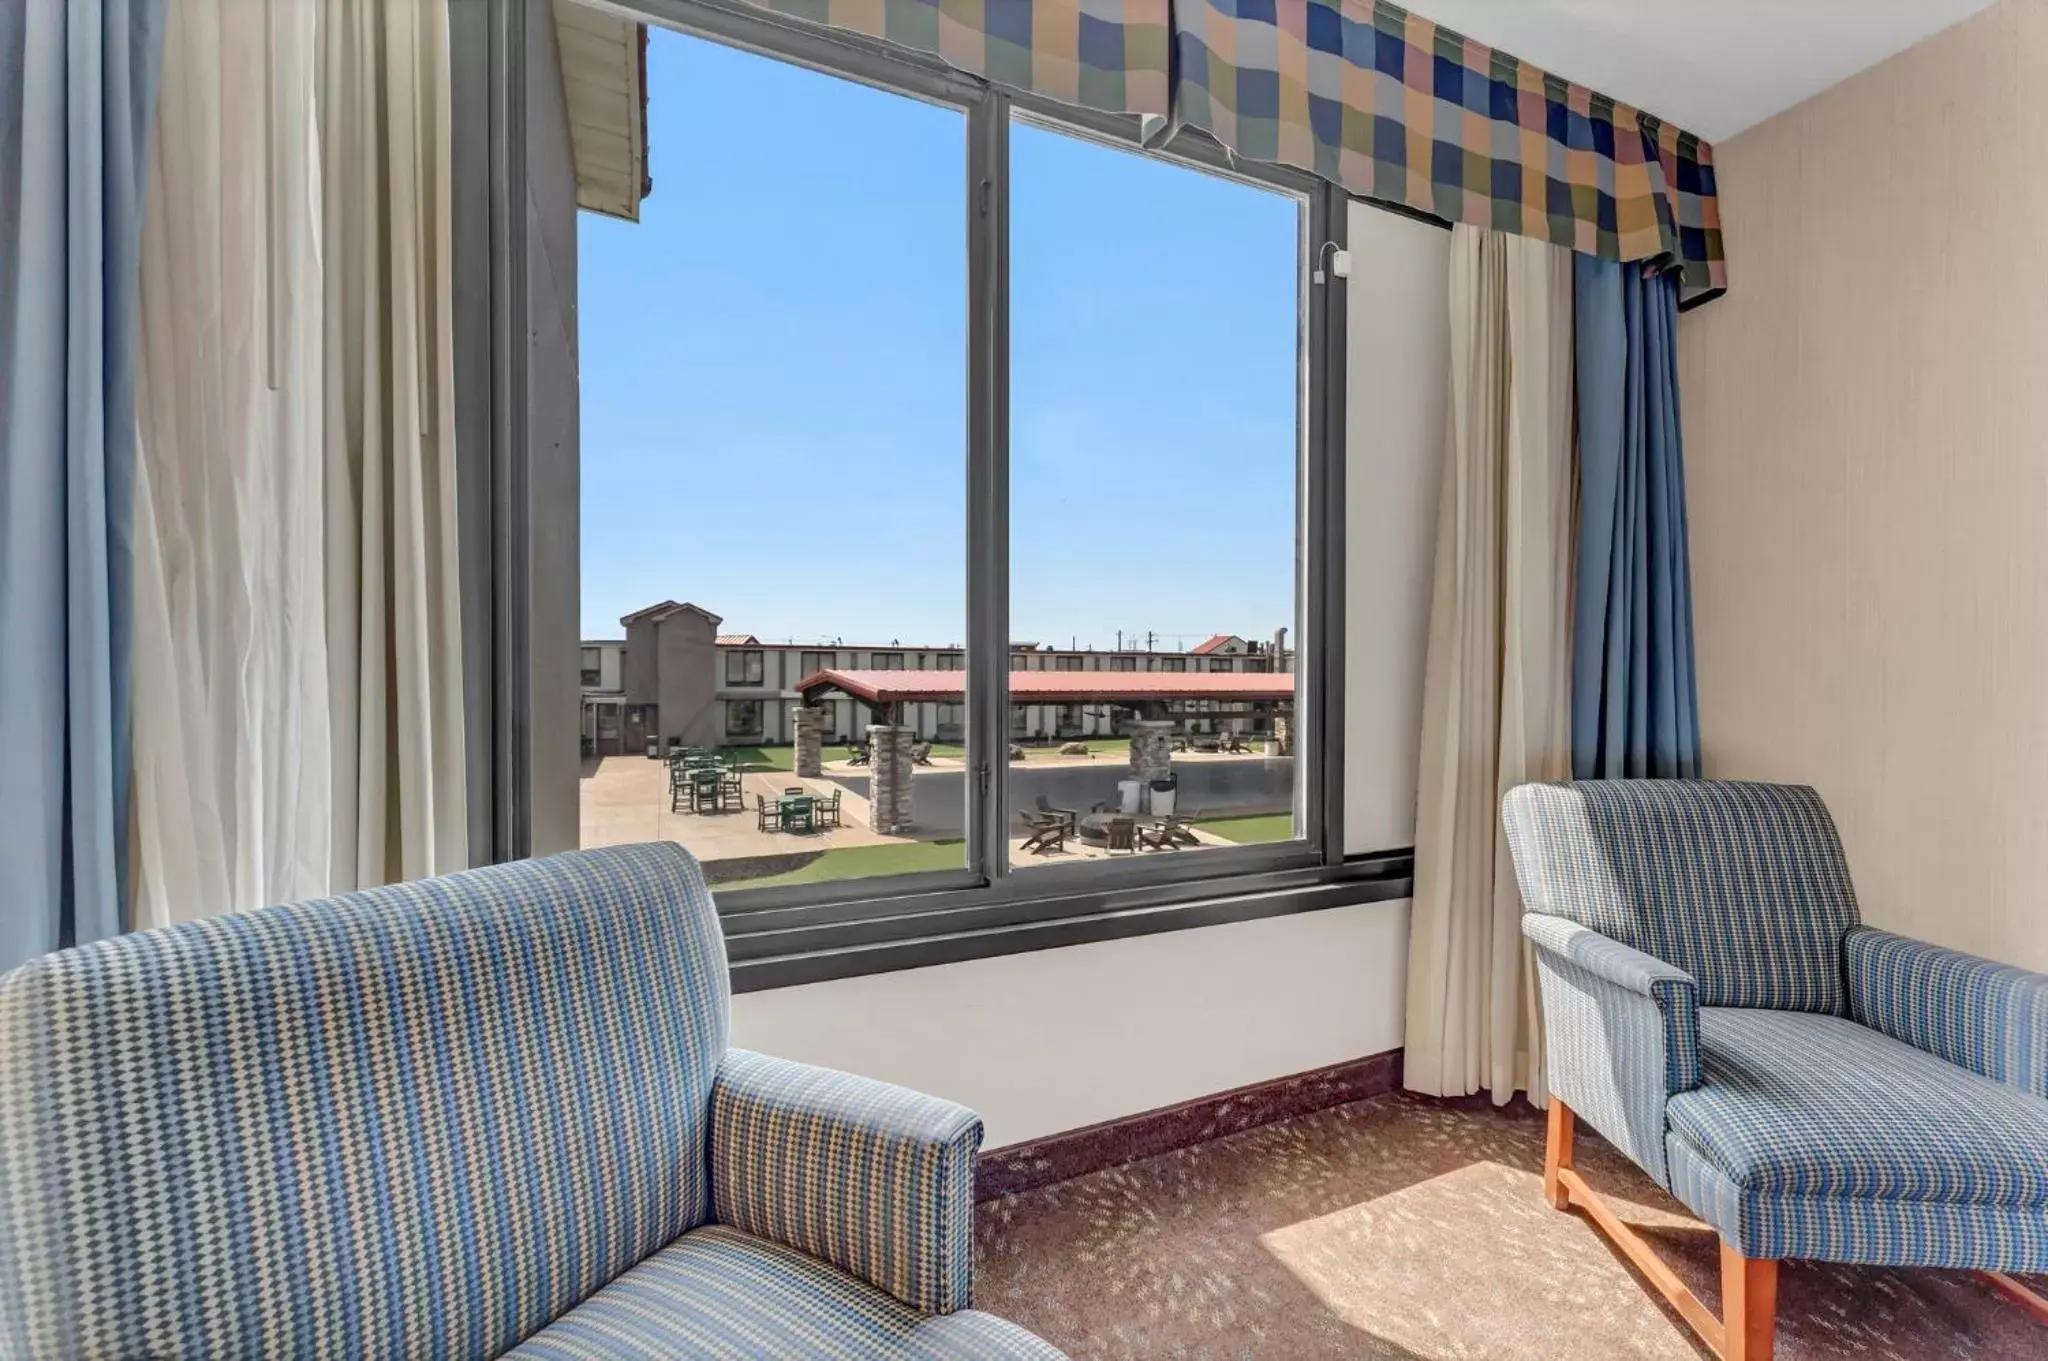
[889, 782]
[1151, 754]
[808, 732]
[1283, 735]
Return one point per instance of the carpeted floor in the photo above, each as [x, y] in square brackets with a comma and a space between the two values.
[1400, 1227]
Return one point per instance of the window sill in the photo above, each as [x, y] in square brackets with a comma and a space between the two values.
[920, 940]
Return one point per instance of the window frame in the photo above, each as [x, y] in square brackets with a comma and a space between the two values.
[778, 937]
[752, 666]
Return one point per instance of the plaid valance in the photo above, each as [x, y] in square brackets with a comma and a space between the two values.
[1382, 102]
[1112, 55]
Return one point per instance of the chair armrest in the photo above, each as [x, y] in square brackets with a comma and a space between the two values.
[876, 1179]
[1671, 988]
[1989, 1018]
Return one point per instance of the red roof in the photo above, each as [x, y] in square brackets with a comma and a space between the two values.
[1055, 687]
[1215, 641]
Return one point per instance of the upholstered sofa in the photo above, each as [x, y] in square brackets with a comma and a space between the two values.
[471, 1115]
[1810, 1087]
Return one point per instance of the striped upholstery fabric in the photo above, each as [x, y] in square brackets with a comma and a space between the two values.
[1641, 975]
[718, 1292]
[1989, 1018]
[1811, 1136]
[1743, 886]
[420, 1120]
[1620, 1033]
[876, 1179]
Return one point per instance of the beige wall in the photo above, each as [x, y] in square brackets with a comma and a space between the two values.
[1866, 422]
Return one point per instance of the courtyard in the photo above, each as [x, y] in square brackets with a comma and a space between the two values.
[625, 799]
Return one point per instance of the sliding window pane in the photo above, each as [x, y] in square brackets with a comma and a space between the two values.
[774, 479]
[1155, 379]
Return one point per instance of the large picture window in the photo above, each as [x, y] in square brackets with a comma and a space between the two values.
[975, 369]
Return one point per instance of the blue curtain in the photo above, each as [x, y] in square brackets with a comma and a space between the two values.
[77, 91]
[1635, 705]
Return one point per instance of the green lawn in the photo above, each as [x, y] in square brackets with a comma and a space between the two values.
[761, 758]
[864, 862]
[1252, 831]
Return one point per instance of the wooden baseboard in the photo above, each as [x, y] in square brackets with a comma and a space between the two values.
[1057, 1157]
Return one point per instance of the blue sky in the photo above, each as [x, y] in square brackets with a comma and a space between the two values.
[773, 366]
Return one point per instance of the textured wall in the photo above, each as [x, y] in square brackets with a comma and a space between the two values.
[1866, 419]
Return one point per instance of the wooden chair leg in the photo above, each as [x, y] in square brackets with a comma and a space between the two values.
[1749, 1305]
[1557, 1154]
[2019, 1294]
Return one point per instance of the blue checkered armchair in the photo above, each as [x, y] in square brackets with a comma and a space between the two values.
[1810, 1087]
[486, 1113]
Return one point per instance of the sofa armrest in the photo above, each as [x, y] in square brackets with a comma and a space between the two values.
[1989, 1018]
[876, 1179]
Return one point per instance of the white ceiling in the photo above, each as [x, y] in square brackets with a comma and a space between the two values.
[1714, 67]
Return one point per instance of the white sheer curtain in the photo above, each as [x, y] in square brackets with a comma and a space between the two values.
[297, 720]
[1497, 698]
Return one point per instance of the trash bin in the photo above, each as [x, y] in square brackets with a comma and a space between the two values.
[1164, 791]
[654, 748]
[1127, 795]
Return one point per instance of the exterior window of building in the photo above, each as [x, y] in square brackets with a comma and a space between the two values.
[1121, 662]
[949, 661]
[1066, 663]
[885, 661]
[593, 668]
[1020, 661]
[1256, 665]
[743, 666]
[743, 718]
[810, 663]
[1221, 664]
[1173, 663]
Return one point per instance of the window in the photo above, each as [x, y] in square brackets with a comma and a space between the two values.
[981, 458]
[1252, 307]
[1257, 664]
[773, 439]
[593, 668]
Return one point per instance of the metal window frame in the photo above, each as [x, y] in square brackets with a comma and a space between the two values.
[777, 937]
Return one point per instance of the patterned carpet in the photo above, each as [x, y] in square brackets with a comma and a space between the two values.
[1401, 1227]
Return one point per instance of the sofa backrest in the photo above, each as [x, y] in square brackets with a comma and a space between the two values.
[419, 1120]
[1742, 885]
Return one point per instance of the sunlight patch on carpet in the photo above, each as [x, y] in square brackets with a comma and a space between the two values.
[1475, 1263]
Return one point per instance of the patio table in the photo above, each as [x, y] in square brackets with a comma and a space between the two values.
[797, 810]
